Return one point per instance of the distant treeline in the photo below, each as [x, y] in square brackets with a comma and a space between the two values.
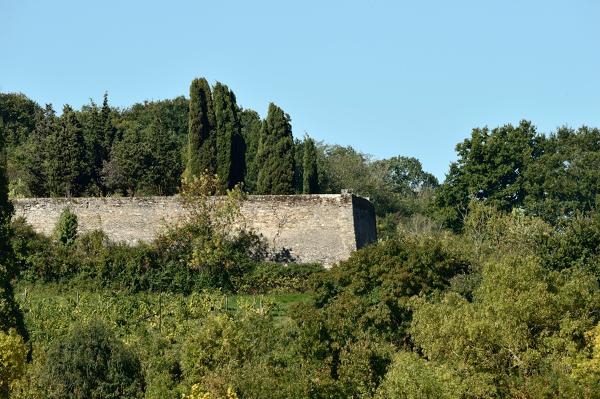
[149, 148]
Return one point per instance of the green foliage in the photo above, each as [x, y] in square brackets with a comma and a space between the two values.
[66, 227]
[12, 361]
[361, 311]
[108, 131]
[251, 126]
[586, 370]
[197, 392]
[65, 164]
[30, 157]
[490, 167]
[510, 167]
[145, 161]
[167, 329]
[201, 136]
[491, 233]
[142, 150]
[230, 147]
[218, 250]
[395, 185]
[90, 362]
[506, 308]
[575, 244]
[91, 121]
[10, 315]
[18, 115]
[127, 165]
[521, 325]
[275, 154]
[268, 278]
[564, 178]
[411, 377]
[371, 290]
[201, 252]
[310, 176]
[6, 208]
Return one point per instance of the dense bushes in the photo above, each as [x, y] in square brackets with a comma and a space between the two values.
[164, 265]
[503, 310]
[360, 310]
[90, 362]
[371, 289]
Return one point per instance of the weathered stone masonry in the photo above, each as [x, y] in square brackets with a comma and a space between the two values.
[322, 228]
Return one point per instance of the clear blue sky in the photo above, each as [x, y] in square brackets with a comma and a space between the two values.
[387, 77]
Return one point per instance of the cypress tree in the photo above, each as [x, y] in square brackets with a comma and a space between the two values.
[276, 154]
[251, 126]
[230, 151]
[310, 177]
[201, 137]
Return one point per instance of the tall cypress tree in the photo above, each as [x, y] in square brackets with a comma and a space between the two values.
[230, 151]
[310, 177]
[276, 154]
[201, 134]
[251, 126]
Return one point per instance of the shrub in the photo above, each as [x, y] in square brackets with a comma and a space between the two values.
[12, 361]
[90, 362]
[66, 227]
[246, 351]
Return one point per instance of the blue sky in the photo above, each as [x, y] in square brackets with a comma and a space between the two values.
[387, 77]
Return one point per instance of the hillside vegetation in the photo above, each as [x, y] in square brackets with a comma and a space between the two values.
[483, 286]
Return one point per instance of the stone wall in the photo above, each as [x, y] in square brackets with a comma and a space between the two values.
[322, 228]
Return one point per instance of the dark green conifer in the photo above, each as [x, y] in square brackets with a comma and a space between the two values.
[35, 152]
[66, 163]
[94, 135]
[201, 138]
[251, 126]
[230, 151]
[109, 132]
[310, 177]
[276, 154]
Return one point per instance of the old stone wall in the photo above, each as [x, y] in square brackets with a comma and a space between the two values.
[322, 228]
